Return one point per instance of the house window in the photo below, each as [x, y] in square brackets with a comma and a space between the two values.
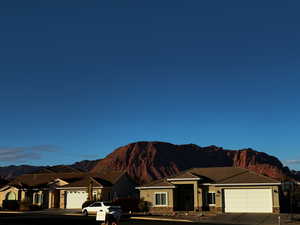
[11, 196]
[94, 195]
[211, 198]
[37, 198]
[160, 199]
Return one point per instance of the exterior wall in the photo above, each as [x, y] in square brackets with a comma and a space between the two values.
[4, 193]
[219, 207]
[148, 196]
[25, 195]
[199, 193]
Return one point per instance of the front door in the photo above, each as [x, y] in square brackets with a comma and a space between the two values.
[184, 197]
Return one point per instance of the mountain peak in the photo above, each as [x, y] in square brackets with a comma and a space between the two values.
[145, 161]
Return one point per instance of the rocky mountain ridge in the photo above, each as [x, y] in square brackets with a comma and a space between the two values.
[146, 161]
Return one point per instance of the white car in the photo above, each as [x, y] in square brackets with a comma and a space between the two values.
[107, 207]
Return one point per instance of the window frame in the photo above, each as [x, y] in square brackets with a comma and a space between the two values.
[9, 195]
[208, 199]
[160, 205]
[37, 198]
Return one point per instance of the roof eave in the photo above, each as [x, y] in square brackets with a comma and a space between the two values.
[155, 187]
[247, 184]
[68, 188]
[183, 179]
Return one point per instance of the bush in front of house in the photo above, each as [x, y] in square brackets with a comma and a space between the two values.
[34, 207]
[144, 206]
[87, 203]
[10, 204]
[25, 205]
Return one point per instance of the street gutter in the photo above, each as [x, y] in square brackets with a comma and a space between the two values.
[161, 219]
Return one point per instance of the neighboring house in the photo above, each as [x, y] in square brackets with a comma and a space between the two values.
[218, 189]
[67, 190]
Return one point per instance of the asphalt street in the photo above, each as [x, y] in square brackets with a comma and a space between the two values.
[34, 219]
[55, 219]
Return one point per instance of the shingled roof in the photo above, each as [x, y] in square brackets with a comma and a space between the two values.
[217, 175]
[74, 179]
[163, 183]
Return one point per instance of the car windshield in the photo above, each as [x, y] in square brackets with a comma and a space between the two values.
[96, 204]
[109, 204]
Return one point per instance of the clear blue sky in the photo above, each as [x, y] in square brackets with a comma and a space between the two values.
[81, 78]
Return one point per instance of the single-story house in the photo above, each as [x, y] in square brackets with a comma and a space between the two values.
[67, 190]
[217, 190]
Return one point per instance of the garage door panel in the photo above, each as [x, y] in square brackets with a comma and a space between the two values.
[75, 199]
[248, 200]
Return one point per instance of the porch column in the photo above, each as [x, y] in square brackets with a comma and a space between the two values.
[22, 196]
[196, 197]
[50, 200]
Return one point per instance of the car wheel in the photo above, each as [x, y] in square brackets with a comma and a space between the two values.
[85, 213]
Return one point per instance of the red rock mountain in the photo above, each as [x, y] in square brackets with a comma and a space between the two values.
[145, 161]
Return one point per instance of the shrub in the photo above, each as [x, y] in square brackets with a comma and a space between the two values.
[25, 205]
[87, 203]
[10, 204]
[144, 205]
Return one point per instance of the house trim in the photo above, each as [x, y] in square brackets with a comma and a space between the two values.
[68, 188]
[155, 187]
[243, 184]
[182, 179]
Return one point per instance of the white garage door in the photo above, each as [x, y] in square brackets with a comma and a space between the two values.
[248, 200]
[75, 199]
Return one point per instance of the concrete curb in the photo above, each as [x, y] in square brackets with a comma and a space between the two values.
[161, 219]
[76, 214]
[10, 212]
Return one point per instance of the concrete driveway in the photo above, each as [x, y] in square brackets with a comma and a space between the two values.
[252, 219]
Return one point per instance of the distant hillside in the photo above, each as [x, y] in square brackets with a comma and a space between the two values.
[296, 174]
[2, 182]
[146, 161]
[10, 172]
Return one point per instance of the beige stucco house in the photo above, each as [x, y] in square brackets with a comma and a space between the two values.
[67, 190]
[217, 190]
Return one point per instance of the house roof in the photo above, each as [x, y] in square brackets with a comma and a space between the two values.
[185, 175]
[231, 175]
[59, 169]
[160, 183]
[73, 179]
[217, 175]
[86, 181]
[43, 179]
